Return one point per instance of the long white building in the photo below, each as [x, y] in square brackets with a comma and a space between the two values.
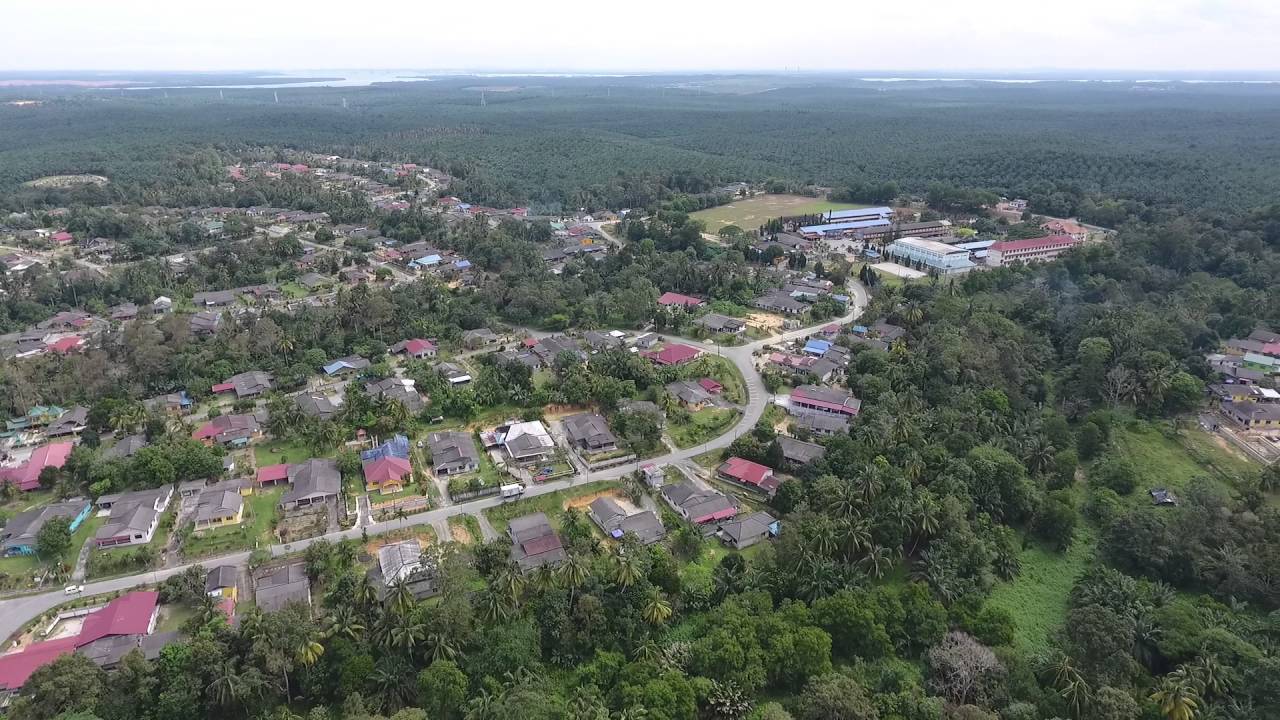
[935, 256]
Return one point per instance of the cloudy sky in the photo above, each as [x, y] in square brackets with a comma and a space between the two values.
[589, 35]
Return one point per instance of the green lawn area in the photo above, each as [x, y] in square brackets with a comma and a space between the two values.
[703, 425]
[255, 530]
[274, 452]
[1037, 598]
[173, 616]
[1167, 462]
[886, 279]
[543, 377]
[721, 370]
[753, 212]
[552, 503]
[26, 501]
[293, 290]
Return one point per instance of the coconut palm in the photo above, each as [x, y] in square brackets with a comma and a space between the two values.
[510, 584]
[1210, 676]
[401, 597]
[626, 568]
[1177, 697]
[441, 647]
[493, 606]
[406, 634]
[877, 561]
[345, 623]
[574, 573]
[657, 609]
[543, 579]
[309, 652]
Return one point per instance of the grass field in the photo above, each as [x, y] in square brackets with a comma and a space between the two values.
[1037, 598]
[551, 503]
[1174, 462]
[752, 212]
[703, 425]
[274, 452]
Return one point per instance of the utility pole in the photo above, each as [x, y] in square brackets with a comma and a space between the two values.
[220, 96]
[481, 98]
[277, 96]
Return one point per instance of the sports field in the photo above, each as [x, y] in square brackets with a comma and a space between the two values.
[752, 212]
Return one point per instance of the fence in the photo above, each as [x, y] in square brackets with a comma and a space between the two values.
[471, 494]
[611, 462]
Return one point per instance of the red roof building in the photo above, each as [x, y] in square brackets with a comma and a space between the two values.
[386, 474]
[223, 387]
[749, 473]
[1030, 250]
[131, 614]
[272, 474]
[671, 299]
[814, 399]
[62, 346]
[62, 237]
[27, 475]
[711, 386]
[675, 354]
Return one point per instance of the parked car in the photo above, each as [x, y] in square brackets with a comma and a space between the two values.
[73, 590]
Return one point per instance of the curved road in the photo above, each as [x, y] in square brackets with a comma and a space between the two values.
[16, 612]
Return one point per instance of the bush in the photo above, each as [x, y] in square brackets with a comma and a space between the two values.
[1115, 473]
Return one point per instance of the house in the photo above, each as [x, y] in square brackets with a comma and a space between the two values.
[698, 506]
[315, 405]
[453, 453]
[1042, 249]
[218, 508]
[134, 517]
[819, 400]
[278, 587]
[1257, 418]
[799, 452]
[246, 385]
[691, 395]
[313, 482]
[455, 374]
[124, 312]
[527, 442]
[215, 298]
[386, 466]
[589, 432]
[20, 533]
[232, 430]
[66, 344]
[398, 389]
[1161, 496]
[599, 342]
[782, 303]
[609, 516]
[416, 348]
[654, 477]
[221, 582]
[70, 422]
[125, 447]
[190, 488]
[673, 299]
[1070, 228]
[131, 615]
[534, 543]
[643, 407]
[647, 341]
[672, 354]
[550, 349]
[345, 365]
[741, 533]
[749, 473]
[313, 281]
[162, 305]
[822, 424]
[478, 338]
[272, 474]
[205, 322]
[722, 324]
[27, 475]
[403, 564]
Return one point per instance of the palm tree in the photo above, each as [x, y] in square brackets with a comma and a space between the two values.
[229, 686]
[657, 609]
[366, 595]
[574, 573]
[401, 597]
[877, 561]
[1210, 676]
[510, 584]
[285, 345]
[544, 578]
[493, 606]
[925, 520]
[626, 567]
[441, 647]
[309, 652]
[406, 634]
[1177, 696]
[647, 651]
[128, 416]
[824, 540]
[345, 623]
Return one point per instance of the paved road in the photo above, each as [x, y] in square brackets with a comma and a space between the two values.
[16, 612]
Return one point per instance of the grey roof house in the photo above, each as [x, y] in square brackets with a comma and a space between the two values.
[590, 432]
[453, 453]
[534, 543]
[310, 483]
[609, 516]
[275, 588]
[740, 533]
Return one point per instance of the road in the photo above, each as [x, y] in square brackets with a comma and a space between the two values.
[16, 612]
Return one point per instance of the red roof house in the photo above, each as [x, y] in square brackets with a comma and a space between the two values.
[711, 386]
[671, 299]
[675, 354]
[62, 237]
[749, 473]
[27, 475]
[65, 345]
[386, 473]
[131, 614]
[272, 474]
[223, 387]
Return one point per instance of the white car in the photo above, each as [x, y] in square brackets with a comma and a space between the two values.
[73, 590]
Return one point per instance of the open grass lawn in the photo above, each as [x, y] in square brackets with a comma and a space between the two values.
[274, 452]
[723, 371]
[703, 425]
[293, 290]
[253, 531]
[753, 212]
[1037, 598]
[26, 501]
[173, 616]
[1173, 462]
[551, 503]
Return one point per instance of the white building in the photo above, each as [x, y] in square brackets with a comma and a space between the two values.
[936, 256]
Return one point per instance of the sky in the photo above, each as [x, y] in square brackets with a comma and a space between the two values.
[648, 36]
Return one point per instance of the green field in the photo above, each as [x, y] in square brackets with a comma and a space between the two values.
[703, 425]
[1173, 463]
[753, 212]
[274, 452]
[1037, 598]
[552, 504]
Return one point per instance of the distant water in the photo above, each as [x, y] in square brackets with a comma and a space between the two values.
[325, 79]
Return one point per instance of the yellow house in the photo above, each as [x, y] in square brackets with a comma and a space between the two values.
[220, 583]
[219, 508]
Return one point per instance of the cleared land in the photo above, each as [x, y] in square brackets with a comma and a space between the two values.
[751, 213]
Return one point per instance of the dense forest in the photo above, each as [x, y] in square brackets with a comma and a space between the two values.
[999, 430]
[621, 142]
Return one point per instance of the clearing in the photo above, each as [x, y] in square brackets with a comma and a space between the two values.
[1037, 598]
[753, 212]
[57, 181]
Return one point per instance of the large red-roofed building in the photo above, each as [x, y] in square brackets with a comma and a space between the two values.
[1029, 250]
[27, 475]
[674, 354]
[818, 400]
[673, 299]
[749, 473]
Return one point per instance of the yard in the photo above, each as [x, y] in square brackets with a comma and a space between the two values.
[1172, 463]
[275, 452]
[253, 531]
[721, 370]
[17, 571]
[702, 426]
[753, 212]
[293, 290]
[465, 528]
[1037, 598]
[553, 504]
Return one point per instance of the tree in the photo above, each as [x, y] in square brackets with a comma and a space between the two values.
[657, 609]
[835, 697]
[964, 670]
[1176, 696]
[54, 539]
[442, 688]
[72, 683]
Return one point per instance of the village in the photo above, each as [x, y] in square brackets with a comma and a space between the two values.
[642, 468]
